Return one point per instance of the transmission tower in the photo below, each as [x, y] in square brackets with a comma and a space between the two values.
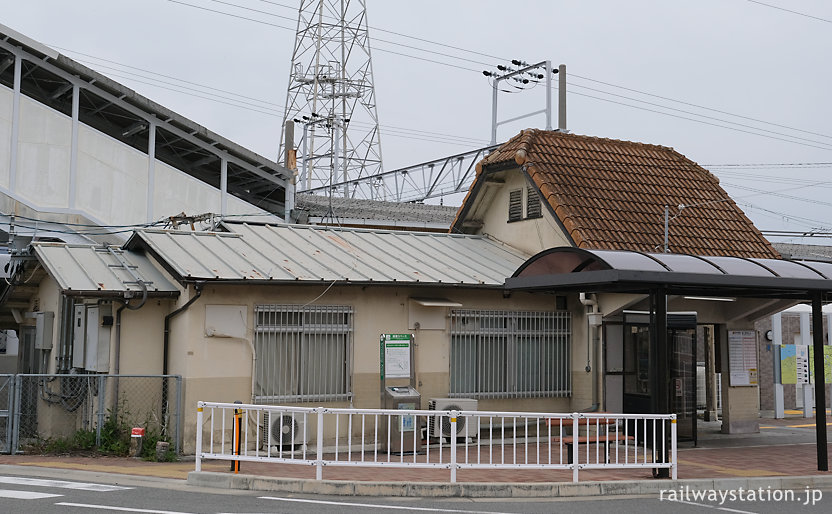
[331, 96]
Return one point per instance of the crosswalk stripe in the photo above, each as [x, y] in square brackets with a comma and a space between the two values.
[63, 484]
[25, 495]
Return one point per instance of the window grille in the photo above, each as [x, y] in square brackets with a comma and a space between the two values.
[515, 205]
[510, 354]
[533, 207]
[304, 353]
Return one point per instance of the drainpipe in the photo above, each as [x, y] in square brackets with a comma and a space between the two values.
[166, 347]
[592, 346]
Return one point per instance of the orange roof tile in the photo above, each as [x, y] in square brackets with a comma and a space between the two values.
[611, 194]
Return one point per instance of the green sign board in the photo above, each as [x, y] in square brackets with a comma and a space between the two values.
[395, 355]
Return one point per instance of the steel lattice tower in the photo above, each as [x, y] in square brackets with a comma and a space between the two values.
[331, 95]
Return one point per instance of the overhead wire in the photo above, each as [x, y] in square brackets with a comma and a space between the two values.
[571, 92]
[790, 11]
[754, 130]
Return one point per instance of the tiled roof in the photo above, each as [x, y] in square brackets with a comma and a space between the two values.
[611, 195]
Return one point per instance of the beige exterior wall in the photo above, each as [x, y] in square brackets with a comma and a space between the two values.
[530, 236]
[141, 354]
[219, 369]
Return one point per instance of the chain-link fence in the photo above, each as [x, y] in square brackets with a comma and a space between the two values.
[6, 401]
[66, 407]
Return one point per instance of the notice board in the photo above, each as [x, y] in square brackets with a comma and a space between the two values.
[742, 357]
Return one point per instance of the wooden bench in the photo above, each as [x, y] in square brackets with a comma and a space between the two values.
[601, 438]
[604, 439]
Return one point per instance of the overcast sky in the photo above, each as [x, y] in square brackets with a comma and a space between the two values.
[743, 82]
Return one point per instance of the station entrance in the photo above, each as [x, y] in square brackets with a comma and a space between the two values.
[630, 383]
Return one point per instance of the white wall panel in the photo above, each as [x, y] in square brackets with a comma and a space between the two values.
[237, 206]
[112, 179]
[6, 97]
[177, 192]
[43, 155]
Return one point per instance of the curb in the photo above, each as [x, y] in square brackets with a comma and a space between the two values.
[494, 490]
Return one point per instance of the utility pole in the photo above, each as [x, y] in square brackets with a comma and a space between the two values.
[527, 76]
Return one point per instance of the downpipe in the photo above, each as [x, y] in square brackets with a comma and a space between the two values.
[590, 304]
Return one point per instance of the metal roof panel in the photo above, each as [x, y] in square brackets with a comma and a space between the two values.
[311, 253]
[100, 269]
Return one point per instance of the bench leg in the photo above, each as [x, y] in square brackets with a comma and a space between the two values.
[569, 452]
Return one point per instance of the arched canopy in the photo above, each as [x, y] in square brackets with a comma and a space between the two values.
[569, 268]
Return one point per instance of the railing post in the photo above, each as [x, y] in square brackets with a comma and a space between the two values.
[674, 463]
[319, 444]
[454, 414]
[575, 445]
[199, 436]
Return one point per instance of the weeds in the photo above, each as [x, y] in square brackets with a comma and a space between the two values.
[115, 441]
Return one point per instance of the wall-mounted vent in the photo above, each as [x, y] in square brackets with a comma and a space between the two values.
[533, 206]
[515, 205]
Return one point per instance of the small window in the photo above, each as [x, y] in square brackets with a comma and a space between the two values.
[533, 206]
[515, 205]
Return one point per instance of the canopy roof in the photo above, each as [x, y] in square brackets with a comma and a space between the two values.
[569, 268]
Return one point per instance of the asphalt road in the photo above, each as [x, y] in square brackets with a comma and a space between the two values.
[39, 490]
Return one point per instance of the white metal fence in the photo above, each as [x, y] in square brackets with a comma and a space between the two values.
[323, 437]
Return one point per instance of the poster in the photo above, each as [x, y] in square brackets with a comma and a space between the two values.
[802, 362]
[797, 363]
[827, 364]
[788, 364]
[395, 355]
[742, 357]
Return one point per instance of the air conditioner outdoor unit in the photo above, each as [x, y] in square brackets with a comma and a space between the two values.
[440, 425]
[283, 430]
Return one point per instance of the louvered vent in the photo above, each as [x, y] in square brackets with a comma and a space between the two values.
[533, 207]
[515, 205]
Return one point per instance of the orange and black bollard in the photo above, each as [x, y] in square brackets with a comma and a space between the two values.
[237, 438]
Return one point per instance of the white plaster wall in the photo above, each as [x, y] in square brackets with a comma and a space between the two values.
[43, 155]
[237, 206]
[177, 192]
[112, 179]
[531, 235]
[6, 97]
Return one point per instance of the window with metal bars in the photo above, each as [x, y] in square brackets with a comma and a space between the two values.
[515, 205]
[533, 206]
[510, 354]
[304, 353]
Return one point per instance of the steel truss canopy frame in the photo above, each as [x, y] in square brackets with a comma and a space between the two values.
[430, 179]
[662, 274]
[107, 106]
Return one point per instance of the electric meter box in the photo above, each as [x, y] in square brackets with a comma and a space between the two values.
[405, 429]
